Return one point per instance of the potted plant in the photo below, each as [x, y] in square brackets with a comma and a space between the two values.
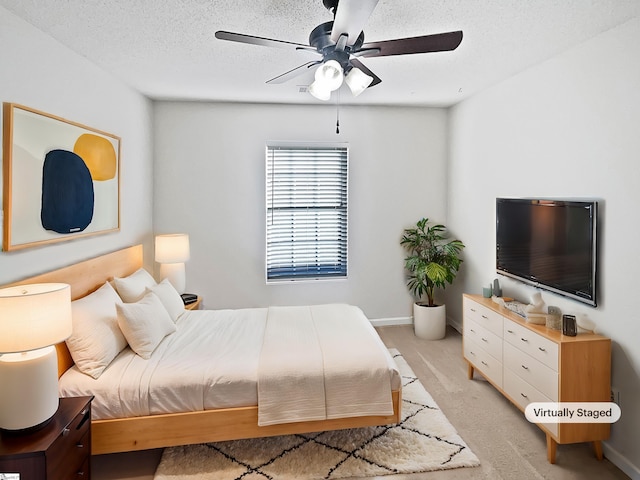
[433, 261]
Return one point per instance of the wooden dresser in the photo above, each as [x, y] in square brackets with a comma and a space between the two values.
[531, 363]
[61, 450]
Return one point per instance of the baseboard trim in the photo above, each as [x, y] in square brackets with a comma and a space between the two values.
[455, 324]
[620, 461]
[383, 322]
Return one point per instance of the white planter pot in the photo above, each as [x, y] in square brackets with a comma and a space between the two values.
[429, 323]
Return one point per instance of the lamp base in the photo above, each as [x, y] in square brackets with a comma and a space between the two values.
[29, 389]
[28, 430]
[175, 273]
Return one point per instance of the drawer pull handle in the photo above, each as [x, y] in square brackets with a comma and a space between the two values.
[525, 367]
[472, 309]
[472, 353]
[80, 445]
[86, 415]
[541, 349]
[510, 331]
[485, 340]
[524, 339]
[523, 395]
[484, 363]
[485, 317]
[473, 331]
[65, 431]
[81, 473]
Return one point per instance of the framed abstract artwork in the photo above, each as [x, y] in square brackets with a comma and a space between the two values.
[61, 179]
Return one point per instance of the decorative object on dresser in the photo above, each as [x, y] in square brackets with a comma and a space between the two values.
[433, 262]
[34, 318]
[59, 451]
[172, 250]
[60, 179]
[532, 363]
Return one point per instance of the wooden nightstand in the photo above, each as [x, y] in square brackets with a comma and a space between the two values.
[195, 305]
[59, 451]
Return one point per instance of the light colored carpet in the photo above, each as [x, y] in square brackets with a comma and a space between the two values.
[423, 441]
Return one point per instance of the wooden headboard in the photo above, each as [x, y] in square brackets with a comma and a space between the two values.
[86, 277]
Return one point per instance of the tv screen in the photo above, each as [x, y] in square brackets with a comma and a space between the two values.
[550, 244]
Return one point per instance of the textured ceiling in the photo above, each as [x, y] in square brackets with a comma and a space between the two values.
[166, 49]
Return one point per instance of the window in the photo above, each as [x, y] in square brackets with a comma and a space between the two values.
[306, 212]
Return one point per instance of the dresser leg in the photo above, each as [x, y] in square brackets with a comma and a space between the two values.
[597, 448]
[551, 449]
[469, 371]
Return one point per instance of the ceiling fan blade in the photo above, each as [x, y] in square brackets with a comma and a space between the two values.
[440, 42]
[357, 63]
[351, 17]
[265, 42]
[285, 77]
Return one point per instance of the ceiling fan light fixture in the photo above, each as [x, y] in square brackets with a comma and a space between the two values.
[357, 81]
[330, 75]
[319, 91]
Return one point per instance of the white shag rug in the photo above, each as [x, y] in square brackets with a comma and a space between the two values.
[423, 441]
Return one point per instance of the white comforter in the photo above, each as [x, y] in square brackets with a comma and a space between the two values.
[214, 358]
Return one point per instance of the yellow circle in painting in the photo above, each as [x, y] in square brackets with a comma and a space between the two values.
[99, 155]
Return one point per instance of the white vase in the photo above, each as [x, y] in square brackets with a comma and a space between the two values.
[429, 323]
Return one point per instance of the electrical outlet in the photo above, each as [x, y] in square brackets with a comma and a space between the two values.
[615, 396]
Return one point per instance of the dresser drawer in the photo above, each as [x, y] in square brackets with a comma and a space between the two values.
[531, 371]
[489, 366]
[537, 346]
[522, 393]
[482, 336]
[483, 316]
[66, 456]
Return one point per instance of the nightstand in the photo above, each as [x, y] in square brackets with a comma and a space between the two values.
[195, 305]
[60, 450]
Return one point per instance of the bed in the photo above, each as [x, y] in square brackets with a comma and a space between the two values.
[159, 425]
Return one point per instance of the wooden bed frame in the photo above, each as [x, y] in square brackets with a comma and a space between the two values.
[155, 431]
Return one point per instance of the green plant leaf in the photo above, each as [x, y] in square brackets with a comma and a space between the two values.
[433, 261]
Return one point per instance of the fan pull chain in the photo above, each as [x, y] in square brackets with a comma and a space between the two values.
[338, 112]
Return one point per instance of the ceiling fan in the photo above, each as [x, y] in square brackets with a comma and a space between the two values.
[341, 43]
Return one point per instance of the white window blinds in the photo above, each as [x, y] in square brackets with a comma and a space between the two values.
[306, 212]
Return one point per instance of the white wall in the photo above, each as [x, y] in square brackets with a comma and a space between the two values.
[566, 128]
[38, 72]
[210, 183]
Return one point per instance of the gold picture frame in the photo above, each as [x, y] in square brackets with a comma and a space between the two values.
[61, 179]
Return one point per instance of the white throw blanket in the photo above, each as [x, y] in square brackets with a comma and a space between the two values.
[321, 362]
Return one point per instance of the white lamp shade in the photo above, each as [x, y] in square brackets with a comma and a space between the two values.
[172, 248]
[34, 316]
[357, 81]
[330, 75]
[317, 90]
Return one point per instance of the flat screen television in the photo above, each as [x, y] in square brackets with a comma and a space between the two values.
[550, 244]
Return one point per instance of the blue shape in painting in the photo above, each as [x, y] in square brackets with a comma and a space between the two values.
[67, 193]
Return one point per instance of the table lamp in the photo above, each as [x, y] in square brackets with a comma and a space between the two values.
[33, 318]
[172, 250]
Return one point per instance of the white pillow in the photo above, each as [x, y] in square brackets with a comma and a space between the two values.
[96, 338]
[144, 324]
[132, 288]
[169, 297]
